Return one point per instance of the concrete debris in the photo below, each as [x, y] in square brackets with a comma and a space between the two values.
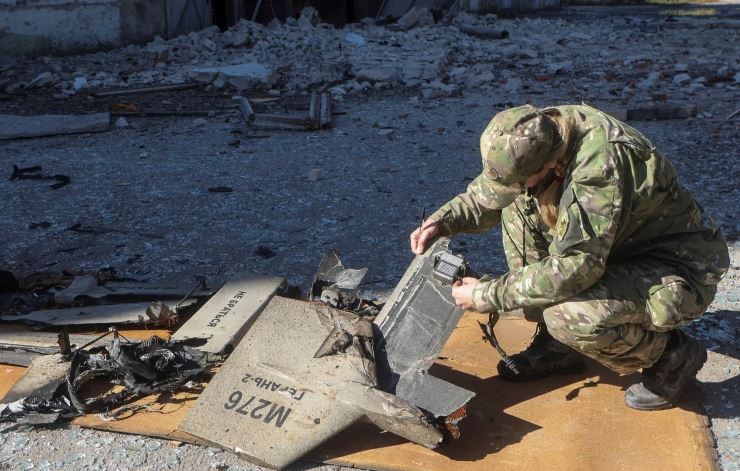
[380, 73]
[209, 45]
[79, 83]
[681, 79]
[649, 82]
[112, 314]
[416, 17]
[355, 39]
[122, 123]
[485, 33]
[555, 68]
[437, 89]
[309, 18]
[681, 67]
[241, 76]
[302, 55]
[43, 80]
[14, 127]
[315, 174]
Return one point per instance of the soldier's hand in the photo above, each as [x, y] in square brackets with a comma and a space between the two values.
[421, 237]
[462, 291]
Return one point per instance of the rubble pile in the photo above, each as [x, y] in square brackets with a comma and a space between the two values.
[613, 55]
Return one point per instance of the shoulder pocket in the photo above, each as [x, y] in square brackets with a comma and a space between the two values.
[572, 227]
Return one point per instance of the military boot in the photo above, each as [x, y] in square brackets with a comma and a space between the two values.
[664, 382]
[543, 357]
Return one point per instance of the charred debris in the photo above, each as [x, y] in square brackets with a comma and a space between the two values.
[360, 342]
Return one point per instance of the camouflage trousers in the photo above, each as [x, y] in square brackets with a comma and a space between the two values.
[623, 320]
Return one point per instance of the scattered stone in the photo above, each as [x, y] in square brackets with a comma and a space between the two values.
[136, 445]
[695, 87]
[199, 122]
[386, 132]
[172, 460]
[426, 18]
[309, 18]
[528, 54]
[153, 445]
[241, 39]
[381, 73]
[315, 175]
[555, 68]
[681, 79]
[408, 20]
[122, 123]
[681, 67]
[159, 51]
[355, 39]
[513, 84]
[79, 83]
[42, 80]
[240, 76]
[649, 82]
[437, 89]
[475, 80]
[209, 45]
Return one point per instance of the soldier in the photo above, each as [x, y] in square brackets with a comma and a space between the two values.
[606, 250]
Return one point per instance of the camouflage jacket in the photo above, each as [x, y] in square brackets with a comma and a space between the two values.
[621, 200]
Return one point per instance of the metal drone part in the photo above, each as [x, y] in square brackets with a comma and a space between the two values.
[449, 267]
[303, 373]
[412, 328]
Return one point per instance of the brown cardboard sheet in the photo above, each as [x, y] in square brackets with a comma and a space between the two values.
[574, 422]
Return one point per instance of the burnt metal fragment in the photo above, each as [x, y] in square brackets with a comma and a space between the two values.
[136, 369]
[337, 286]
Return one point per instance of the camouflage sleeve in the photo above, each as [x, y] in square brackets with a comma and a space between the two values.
[589, 212]
[465, 213]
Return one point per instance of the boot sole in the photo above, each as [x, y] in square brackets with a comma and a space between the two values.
[699, 361]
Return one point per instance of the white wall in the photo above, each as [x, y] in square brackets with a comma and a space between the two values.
[495, 6]
[32, 27]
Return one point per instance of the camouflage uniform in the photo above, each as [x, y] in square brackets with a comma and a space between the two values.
[632, 255]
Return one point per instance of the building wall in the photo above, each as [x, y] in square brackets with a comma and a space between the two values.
[38, 27]
[499, 6]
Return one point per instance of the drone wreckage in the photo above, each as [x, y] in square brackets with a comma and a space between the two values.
[294, 373]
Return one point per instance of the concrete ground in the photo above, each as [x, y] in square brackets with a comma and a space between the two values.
[360, 187]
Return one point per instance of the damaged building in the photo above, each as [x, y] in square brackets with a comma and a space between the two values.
[43, 27]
